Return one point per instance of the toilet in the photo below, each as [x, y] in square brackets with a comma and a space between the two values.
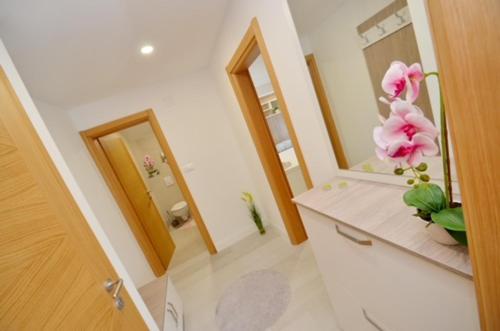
[180, 210]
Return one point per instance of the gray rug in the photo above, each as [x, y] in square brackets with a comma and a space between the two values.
[254, 302]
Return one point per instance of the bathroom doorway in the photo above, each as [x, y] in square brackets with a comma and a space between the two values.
[146, 181]
[256, 86]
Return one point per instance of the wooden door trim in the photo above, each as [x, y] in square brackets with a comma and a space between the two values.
[326, 111]
[91, 136]
[467, 42]
[249, 48]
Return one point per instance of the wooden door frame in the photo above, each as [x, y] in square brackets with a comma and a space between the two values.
[248, 50]
[470, 87]
[91, 136]
[326, 111]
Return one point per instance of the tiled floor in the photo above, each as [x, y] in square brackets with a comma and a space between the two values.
[188, 243]
[201, 280]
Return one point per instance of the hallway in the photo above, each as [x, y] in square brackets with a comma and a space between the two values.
[309, 308]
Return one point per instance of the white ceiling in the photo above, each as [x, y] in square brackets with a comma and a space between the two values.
[309, 13]
[77, 51]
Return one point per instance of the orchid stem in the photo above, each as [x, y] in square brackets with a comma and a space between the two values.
[444, 145]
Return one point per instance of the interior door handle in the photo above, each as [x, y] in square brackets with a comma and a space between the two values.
[117, 285]
[364, 242]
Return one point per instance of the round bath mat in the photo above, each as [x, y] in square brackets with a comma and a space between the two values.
[254, 302]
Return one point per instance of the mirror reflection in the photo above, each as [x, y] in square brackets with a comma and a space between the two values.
[277, 126]
[348, 47]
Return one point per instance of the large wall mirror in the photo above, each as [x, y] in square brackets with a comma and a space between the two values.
[348, 46]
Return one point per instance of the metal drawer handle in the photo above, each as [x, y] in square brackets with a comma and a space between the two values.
[365, 242]
[173, 308]
[372, 322]
[174, 317]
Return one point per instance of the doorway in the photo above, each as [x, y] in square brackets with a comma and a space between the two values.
[141, 171]
[258, 92]
[326, 111]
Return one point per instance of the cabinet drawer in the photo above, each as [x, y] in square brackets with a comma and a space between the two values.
[174, 313]
[401, 291]
[348, 311]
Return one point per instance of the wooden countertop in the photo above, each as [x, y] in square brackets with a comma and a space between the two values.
[378, 210]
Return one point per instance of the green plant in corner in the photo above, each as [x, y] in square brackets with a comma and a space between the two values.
[254, 213]
[406, 136]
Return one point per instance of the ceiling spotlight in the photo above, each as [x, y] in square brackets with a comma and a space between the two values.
[147, 49]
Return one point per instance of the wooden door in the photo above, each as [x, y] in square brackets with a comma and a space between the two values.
[136, 190]
[467, 41]
[52, 269]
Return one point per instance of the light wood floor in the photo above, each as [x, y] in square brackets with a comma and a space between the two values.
[201, 280]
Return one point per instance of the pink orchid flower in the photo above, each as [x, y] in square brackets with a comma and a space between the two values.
[402, 108]
[401, 128]
[382, 145]
[415, 75]
[406, 135]
[148, 161]
[412, 151]
[399, 78]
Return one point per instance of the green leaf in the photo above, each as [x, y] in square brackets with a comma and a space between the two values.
[426, 197]
[424, 215]
[459, 236]
[450, 218]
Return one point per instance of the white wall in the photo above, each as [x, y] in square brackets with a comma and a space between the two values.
[96, 191]
[74, 188]
[289, 64]
[194, 122]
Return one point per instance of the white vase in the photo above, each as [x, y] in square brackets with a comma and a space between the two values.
[440, 235]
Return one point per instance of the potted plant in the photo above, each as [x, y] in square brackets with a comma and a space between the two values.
[248, 198]
[404, 138]
[149, 166]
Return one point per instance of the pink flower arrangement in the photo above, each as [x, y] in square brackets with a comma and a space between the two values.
[149, 165]
[406, 137]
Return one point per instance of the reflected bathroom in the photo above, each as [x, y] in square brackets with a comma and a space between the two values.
[141, 147]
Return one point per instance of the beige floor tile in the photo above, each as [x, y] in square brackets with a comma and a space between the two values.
[201, 280]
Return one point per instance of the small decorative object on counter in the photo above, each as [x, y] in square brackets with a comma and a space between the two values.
[149, 165]
[248, 198]
[404, 138]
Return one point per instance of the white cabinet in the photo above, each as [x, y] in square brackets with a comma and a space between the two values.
[174, 313]
[376, 286]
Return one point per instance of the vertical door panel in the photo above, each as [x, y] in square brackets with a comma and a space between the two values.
[52, 269]
[130, 178]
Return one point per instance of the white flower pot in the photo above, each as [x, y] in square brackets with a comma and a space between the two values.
[440, 235]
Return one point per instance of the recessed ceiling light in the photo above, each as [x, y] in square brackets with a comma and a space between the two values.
[147, 49]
